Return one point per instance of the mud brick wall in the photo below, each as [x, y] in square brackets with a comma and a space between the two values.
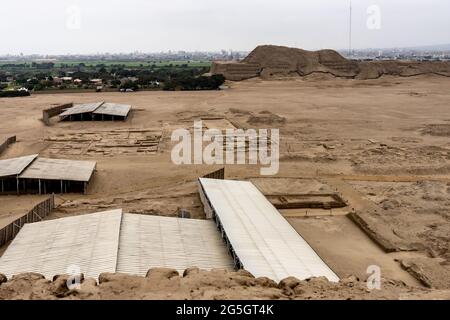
[54, 111]
[7, 142]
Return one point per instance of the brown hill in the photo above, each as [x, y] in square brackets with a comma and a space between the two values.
[267, 61]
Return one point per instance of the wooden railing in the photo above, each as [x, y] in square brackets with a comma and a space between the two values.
[38, 213]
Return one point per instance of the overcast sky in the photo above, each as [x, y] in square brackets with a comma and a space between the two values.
[97, 26]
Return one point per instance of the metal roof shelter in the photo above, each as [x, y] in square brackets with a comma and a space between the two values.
[32, 174]
[59, 169]
[15, 166]
[112, 241]
[153, 241]
[51, 247]
[113, 109]
[81, 108]
[261, 240]
[96, 111]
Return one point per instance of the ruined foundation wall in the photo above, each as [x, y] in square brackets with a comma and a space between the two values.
[54, 111]
[6, 143]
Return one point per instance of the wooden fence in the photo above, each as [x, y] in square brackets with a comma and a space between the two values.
[7, 142]
[54, 111]
[38, 213]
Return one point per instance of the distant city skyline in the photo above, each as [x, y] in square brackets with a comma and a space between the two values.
[116, 26]
[419, 49]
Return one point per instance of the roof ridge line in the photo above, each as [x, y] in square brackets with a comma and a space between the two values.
[99, 105]
[118, 240]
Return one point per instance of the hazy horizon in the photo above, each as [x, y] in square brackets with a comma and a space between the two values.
[210, 51]
[115, 26]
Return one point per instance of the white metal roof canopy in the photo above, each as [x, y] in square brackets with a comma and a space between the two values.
[152, 241]
[81, 108]
[265, 243]
[15, 166]
[59, 169]
[115, 242]
[113, 109]
[98, 108]
[89, 242]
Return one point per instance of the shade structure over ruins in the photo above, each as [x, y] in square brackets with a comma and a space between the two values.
[33, 174]
[96, 111]
[261, 240]
[113, 241]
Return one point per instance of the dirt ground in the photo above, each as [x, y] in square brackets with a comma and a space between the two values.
[195, 284]
[14, 207]
[382, 144]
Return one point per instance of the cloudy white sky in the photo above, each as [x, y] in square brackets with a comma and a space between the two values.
[94, 26]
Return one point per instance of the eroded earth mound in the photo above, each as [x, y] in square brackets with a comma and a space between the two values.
[162, 283]
[268, 61]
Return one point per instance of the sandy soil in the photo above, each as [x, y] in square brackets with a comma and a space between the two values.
[13, 207]
[348, 250]
[383, 144]
[197, 284]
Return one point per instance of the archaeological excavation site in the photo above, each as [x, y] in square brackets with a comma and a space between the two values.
[358, 207]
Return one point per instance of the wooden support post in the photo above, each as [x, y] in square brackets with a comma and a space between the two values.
[39, 186]
[17, 178]
[61, 186]
[37, 214]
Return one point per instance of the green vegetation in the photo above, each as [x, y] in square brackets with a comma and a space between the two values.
[111, 75]
[198, 83]
[136, 64]
[112, 63]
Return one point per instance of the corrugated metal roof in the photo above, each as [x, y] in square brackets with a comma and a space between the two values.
[51, 247]
[114, 242]
[81, 108]
[152, 241]
[59, 169]
[113, 109]
[265, 242]
[14, 166]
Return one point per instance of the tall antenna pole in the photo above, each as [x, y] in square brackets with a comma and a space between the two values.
[350, 32]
